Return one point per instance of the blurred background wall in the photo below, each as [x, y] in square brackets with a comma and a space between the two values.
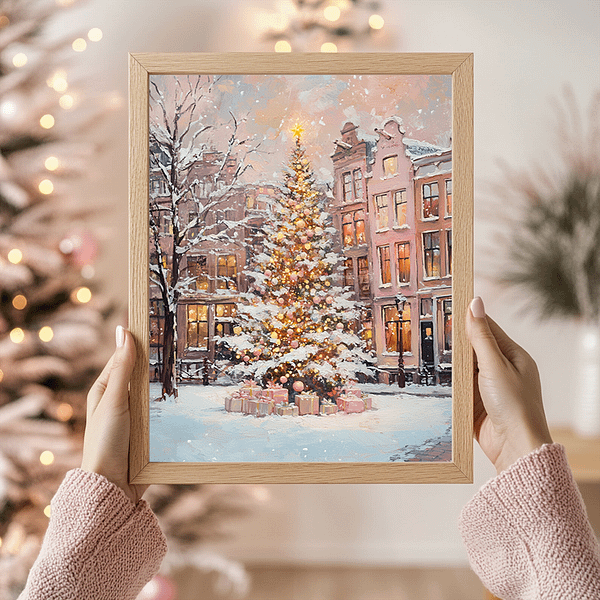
[525, 52]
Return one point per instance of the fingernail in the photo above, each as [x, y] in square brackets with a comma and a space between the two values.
[477, 308]
[120, 335]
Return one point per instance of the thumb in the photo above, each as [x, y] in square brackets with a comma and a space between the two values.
[123, 360]
[489, 356]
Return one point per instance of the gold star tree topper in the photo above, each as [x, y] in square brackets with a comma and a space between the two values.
[297, 130]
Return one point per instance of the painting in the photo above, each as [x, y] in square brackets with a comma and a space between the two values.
[300, 300]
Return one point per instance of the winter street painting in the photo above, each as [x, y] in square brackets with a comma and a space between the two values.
[300, 287]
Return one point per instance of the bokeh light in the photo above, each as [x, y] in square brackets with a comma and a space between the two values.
[82, 295]
[15, 256]
[95, 34]
[332, 13]
[46, 457]
[47, 121]
[51, 163]
[46, 333]
[376, 21]
[17, 335]
[79, 45]
[283, 46]
[328, 47]
[46, 186]
[19, 60]
[19, 302]
[64, 411]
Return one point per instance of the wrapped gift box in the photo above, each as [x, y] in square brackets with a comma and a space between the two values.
[258, 408]
[356, 405]
[328, 408]
[353, 392]
[279, 395]
[368, 402]
[233, 404]
[307, 403]
[251, 390]
[286, 410]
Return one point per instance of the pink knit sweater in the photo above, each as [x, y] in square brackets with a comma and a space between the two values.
[98, 546]
[528, 535]
[526, 532]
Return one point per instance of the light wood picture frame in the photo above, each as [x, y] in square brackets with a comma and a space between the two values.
[408, 313]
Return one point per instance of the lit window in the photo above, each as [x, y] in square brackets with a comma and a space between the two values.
[431, 251]
[227, 272]
[403, 255]
[197, 267]
[384, 264]
[431, 197]
[348, 230]
[448, 197]
[224, 315]
[447, 307]
[390, 166]
[394, 324]
[348, 273]
[381, 211]
[364, 283]
[197, 326]
[400, 207]
[359, 226]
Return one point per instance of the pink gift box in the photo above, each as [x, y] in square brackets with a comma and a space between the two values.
[279, 395]
[253, 391]
[328, 408]
[353, 392]
[354, 406]
[307, 403]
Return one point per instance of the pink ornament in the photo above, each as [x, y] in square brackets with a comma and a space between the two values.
[304, 239]
[339, 326]
[294, 343]
[267, 273]
[329, 299]
[246, 358]
[317, 299]
[280, 300]
[298, 386]
[290, 332]
[310, 233]
[256, 351]
[283, 379]
[301, 224]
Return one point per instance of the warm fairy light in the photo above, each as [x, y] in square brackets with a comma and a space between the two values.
[79, 45]
[19, 60]
[81, 294]
[15, 256]
[94, 34]
[60, 85]
[64, 411]
[66, 101]
[46, 186]
[47, 121]
[17, 335]
[376, 21]
[47, 511]
[283, 46]
[46, 333]
[332, 13]
[46, 457]
[328, 47]
[51, 163]
[4, 21]
[19, 302]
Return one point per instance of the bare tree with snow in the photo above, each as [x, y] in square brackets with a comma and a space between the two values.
[196, 165]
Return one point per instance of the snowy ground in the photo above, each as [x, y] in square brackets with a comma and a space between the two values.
[197, 428]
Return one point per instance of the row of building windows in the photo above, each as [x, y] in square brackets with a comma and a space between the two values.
[397, 326]
[431, 258]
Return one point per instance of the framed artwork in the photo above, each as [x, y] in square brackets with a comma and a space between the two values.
[300, 267]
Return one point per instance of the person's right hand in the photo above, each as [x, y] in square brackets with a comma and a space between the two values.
[508, 409]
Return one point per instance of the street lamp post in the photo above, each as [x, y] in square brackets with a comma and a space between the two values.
[400, 300]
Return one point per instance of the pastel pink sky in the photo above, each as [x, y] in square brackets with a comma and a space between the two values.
[268, 106]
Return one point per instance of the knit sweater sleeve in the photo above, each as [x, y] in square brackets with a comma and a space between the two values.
[98, 544]
[527, 532]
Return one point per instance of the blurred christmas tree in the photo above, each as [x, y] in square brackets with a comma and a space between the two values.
[52, 315]
[50, 320]
[298, 325]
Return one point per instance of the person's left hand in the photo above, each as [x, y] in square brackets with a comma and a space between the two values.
[106, 442]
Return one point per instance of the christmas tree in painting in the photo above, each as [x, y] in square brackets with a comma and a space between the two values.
[298, 325]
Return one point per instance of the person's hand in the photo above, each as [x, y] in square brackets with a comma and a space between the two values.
[509, 414]
[106, 442]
